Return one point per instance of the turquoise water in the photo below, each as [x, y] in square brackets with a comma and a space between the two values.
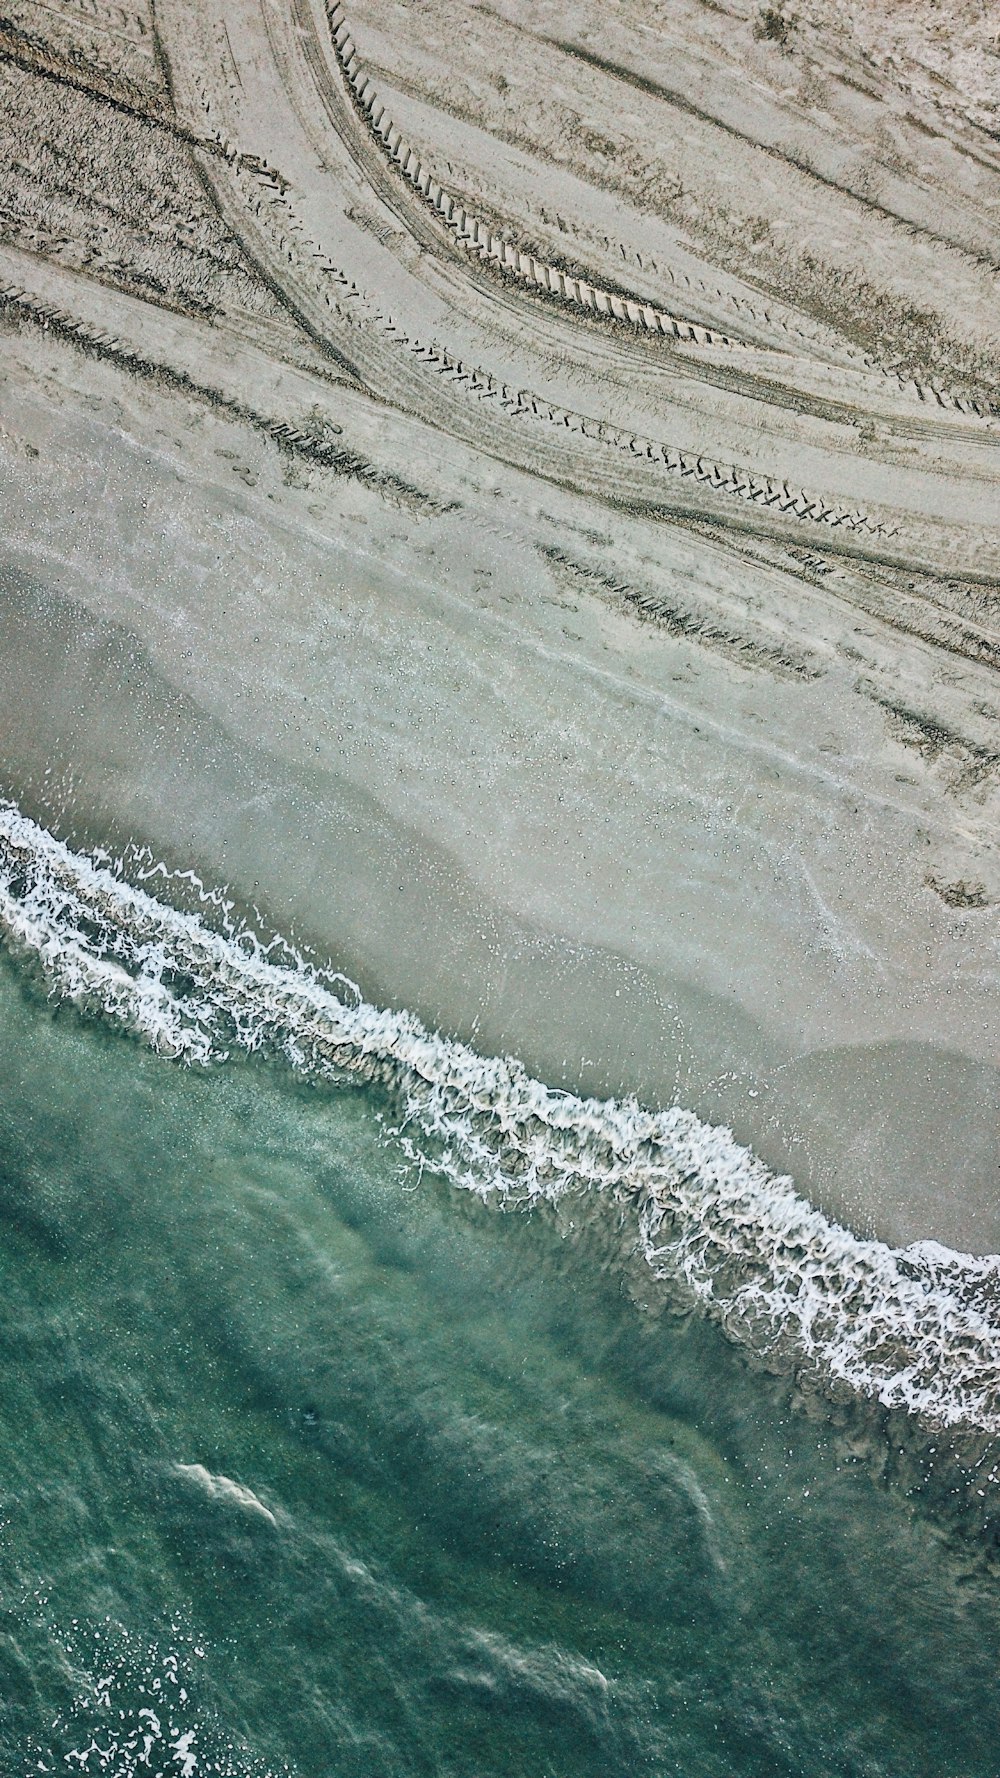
[329, 1467]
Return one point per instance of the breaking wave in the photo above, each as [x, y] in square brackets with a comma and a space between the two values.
[915, 1327]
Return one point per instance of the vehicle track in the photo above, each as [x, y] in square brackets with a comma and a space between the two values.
[870, 582]
[417, 370]
[516, 402]
[734, 370]
[475, 237]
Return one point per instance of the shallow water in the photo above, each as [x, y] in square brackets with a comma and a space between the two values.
[324, 1464]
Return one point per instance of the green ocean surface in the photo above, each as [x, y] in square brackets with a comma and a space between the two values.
[311, 1463]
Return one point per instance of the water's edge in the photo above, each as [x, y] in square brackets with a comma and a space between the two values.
[914, 1328]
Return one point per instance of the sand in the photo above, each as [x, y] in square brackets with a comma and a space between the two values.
[665, 789]
[543, 825]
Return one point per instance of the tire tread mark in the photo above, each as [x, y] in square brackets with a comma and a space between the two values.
[475, 237]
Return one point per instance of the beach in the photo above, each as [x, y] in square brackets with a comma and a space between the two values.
[439, 756]
[499, 887]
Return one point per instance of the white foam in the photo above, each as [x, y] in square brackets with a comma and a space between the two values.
[130, 1716]
[915, 1328]
[223, 1489]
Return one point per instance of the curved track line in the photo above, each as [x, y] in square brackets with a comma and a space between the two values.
[330, 295]
[718, 478]
[475, 236]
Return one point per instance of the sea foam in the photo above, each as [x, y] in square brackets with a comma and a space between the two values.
[916, 1328]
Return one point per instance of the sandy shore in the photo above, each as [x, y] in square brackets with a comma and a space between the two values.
[473, 778]
[519, 506]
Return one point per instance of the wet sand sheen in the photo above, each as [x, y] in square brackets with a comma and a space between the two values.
[911, 1328]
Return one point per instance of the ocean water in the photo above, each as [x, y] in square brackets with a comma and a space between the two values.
[368, 1410]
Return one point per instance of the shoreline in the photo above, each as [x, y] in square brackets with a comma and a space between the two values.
[490, 797]
[716, 1229]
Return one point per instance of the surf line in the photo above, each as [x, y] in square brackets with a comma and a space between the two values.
[914, 1328]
